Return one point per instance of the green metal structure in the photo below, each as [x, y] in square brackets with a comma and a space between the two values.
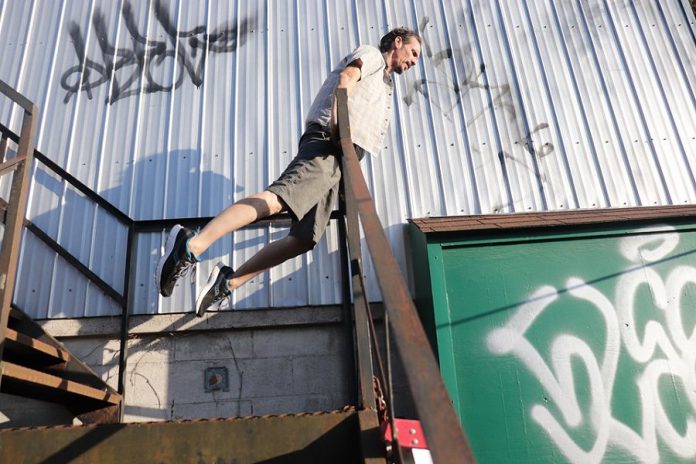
[566, 337]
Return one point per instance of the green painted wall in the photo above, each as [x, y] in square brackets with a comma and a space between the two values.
[578, 346]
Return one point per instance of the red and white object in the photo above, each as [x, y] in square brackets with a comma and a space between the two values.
[411, 439]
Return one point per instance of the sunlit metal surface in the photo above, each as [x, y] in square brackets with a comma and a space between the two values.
[175, 109]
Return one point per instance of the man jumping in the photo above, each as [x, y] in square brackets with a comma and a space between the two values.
[308, 187]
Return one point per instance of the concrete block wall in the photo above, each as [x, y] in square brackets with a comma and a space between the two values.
[278, 361]
[270, 371]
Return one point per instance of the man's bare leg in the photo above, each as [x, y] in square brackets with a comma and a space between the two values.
[271, 255]
[223, 279]
[234, 217]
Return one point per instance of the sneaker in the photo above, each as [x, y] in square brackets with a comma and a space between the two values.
[176, 261]
[215, 290]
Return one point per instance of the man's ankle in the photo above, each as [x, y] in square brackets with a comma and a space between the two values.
[193, 247]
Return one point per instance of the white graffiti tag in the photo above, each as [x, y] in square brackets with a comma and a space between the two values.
[664, 352]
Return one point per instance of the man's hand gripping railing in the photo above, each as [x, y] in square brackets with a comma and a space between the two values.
[445, 437]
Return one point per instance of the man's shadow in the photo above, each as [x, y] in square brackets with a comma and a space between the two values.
[50, 287]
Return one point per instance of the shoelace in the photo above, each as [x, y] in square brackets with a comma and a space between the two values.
[217, 302]
[220, 296]
[188, 267]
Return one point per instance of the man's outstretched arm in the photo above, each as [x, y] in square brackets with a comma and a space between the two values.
[346, 80]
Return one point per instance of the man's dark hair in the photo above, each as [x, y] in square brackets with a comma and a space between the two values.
[386, 42]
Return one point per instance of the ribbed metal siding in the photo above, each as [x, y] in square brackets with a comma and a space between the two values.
[515, 106]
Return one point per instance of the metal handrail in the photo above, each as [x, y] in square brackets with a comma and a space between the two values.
[441, 425]
[72, 180]
[446, 439]
[16, 206]
[29, 107]
[134, 227]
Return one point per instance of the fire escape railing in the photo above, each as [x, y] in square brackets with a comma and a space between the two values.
[122, 298]
[134, 227]
[17, 204]
[444, 435]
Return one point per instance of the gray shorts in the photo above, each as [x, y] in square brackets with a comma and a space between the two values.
[309, 185]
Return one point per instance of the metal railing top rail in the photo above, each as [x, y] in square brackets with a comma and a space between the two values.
[140, 226]
[445, 437]
[18, 98]
[122, 217]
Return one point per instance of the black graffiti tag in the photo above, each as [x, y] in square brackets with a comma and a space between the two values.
[130, 71]
[472, 80]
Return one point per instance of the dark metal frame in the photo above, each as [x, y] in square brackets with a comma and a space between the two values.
[441, 425]
[134, 227]
[16, 205]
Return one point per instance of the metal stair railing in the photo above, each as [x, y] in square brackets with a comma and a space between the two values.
[134, 227]
[442, 429]
[121, 297]
[32, 363]
[444, 435]
[17, 205]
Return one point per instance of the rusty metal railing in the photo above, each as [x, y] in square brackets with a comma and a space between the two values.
[446, 439]
[17, 203]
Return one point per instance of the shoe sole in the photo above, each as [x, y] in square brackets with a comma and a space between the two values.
[208, 285]
[171, 240]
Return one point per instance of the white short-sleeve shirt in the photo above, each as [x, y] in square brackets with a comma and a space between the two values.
[370, 102]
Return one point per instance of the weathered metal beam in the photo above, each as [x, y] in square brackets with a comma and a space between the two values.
[10, 164]
[42, 381]
[3, 147]
[19, 192]
[157, 225]
[306, 438]
[18, 98]
[73, 369]
[126, 306]
[363, 344]
[351, 366]
[7, 134]
[447, 441]
[76, 263]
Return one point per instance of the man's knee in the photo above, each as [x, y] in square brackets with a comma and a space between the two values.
[275, 203]
[265, 203]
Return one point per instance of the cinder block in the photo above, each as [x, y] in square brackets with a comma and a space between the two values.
[266, 377]
[186, 381]
[213, 345]
[151, 349]
[211, 410]
[292, 404]
[94, 351]
[291, 341]
[148, 384]
[319, 374]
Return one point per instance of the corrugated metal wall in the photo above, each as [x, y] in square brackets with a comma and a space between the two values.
[175, 109]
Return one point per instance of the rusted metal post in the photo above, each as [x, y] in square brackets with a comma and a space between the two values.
[125, 313]
[19, 191]
[3, 148]
[447, 441]
[363, 344]
[369, 422]
[351, 366]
